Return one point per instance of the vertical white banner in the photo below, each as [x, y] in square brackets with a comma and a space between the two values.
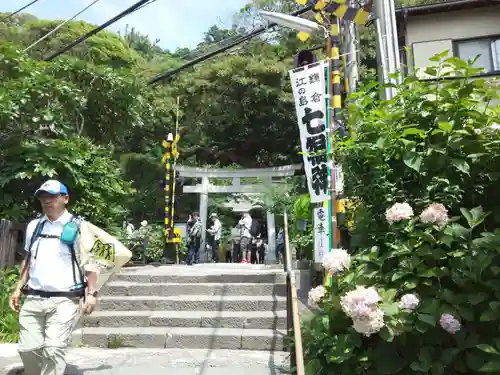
[321, 233]
[308, 85]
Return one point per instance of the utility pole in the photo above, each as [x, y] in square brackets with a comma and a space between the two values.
[350, 43]
[387, 44]
[334, 106]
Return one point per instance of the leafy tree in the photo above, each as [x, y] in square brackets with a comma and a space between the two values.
[103, 48]
[239, 111]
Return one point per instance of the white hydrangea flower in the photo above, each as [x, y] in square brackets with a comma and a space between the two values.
[336, 261]
[373, 323]
[436, 213]
[398, 212]
[409, 302]
[316, 294]
[360, 302]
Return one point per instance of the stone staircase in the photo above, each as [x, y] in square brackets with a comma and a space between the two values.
[207, 306]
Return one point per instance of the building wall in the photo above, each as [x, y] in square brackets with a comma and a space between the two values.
[430, 34]
[433, 33]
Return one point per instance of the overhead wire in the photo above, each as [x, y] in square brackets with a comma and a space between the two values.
[126, 12]
[18, 11]
[209, 55]
[61, 25]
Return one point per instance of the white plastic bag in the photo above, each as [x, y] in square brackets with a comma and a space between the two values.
[100, 252]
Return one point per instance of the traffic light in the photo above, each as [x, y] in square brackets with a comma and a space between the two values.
[304, 58]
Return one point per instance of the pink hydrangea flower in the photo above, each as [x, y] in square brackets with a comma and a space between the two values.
[449, 323]
[436, 213]
[398, 212]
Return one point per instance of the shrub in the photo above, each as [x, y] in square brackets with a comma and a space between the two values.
[9, 327]
[421, 293]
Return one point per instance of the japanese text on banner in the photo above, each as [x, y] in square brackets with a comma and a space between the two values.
[321, 233]
[308, 87]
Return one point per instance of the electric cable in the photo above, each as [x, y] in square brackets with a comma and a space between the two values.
[91, 33]
[209, 55]
[19, 10]
[60, 25]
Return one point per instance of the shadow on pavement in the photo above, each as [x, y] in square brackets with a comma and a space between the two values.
[70, 370]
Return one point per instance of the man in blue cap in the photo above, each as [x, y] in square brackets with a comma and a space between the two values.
[54, 285]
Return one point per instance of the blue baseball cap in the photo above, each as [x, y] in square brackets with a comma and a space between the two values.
[53, 187]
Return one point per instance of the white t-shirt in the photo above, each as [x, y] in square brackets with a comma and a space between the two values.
[245, 225]
[51, 268]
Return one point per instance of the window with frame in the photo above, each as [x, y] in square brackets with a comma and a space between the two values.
[488, 50]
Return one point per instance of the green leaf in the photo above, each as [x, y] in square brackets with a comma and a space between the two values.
[489, 315]
[418, 367]
[492, 366]
[386, 334]
[461, 165]
[412, 160]
[437, 368]
[389, 309]
[487, 349]
[475, 298]
[413, 131]
[448, 355]
[428, 319]
[313, 367]
[445, 126]
[429, 306]
[388, 295]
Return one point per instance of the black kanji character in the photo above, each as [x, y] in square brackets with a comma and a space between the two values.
[303, 100]
[320, 179]
[316, 97]
[313, 78]
[316, 143]
[309, 116]
[300, 82]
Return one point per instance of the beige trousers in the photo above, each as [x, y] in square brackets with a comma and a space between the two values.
[46, 325]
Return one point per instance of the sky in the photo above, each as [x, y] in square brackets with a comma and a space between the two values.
[177, 23]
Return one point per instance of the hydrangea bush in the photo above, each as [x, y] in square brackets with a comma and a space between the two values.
[419, 293]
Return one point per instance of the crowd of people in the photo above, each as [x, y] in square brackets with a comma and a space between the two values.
[246, 243]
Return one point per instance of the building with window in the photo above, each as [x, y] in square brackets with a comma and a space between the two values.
[466, 28]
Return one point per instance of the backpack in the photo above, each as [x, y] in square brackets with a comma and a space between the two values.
[196, 230]
[254, 228]
[37, 233]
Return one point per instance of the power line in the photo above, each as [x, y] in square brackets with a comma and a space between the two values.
[19, 10]
[209, 55]
[91, 33]
[60, 25]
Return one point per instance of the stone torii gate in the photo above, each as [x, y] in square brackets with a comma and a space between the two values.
[268, 177]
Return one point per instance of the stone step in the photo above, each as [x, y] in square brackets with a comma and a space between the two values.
[192, 303]
[191, 275]
[127, 288]
[185, 338]
[205, 319]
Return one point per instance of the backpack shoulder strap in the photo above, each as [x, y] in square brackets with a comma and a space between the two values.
[36, 232]
[74, 255]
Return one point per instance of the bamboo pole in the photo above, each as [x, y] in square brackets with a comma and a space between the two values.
[299, 353]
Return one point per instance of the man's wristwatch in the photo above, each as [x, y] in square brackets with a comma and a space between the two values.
[93, 293]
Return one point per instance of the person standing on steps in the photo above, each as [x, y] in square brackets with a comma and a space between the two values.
[57, 289]
[194, 239]
[245, 225]
[280, 245]
[215, 231]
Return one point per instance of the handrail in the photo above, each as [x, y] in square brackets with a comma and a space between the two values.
[299, 353]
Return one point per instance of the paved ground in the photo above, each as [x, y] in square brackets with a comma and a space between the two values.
[87, 361]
